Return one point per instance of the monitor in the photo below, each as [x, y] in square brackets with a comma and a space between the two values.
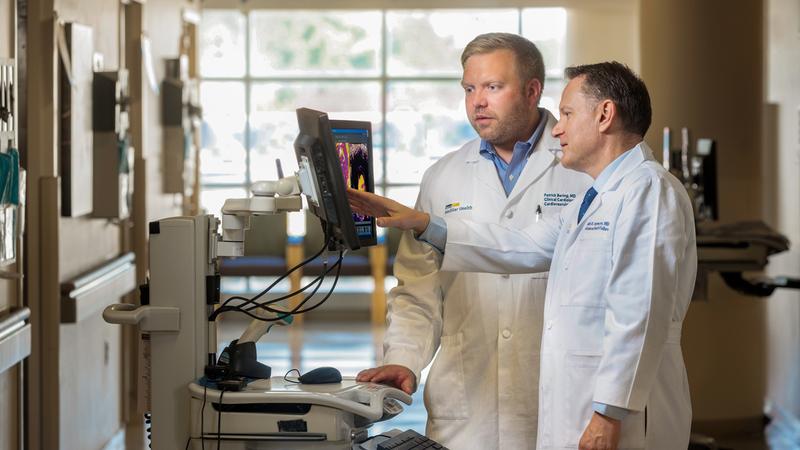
[705, 177]
[353, 141]
[322, 178]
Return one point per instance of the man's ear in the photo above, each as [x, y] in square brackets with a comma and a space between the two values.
[533, 91]
[606, 112]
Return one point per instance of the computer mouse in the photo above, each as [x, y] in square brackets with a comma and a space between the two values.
[321, 375]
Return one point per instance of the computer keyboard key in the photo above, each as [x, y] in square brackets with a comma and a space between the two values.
[410, 440]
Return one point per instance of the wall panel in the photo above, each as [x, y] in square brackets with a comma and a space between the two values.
[10, 407]
[702, 62]
[782, 177]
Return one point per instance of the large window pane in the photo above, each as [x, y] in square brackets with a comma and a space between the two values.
[309, 43]
[222, 44]
[274, 121]
[406, 195]
[222, 156]
[212, 199]
[425, 120]
[547, 27]
[551, 96]
[430, 42]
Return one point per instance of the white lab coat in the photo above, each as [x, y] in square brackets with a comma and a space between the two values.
[620, 284]
[481, 392]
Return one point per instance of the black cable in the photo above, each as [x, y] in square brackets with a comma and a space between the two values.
[324, 299]
[251, 304]
[219, 419]
[148, 422]
[273, 284]
[282, 314]
[263, 305]
[318, 281]
[267, 289]
[287, 374]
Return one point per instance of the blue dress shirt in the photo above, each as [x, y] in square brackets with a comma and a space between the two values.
[510, 171]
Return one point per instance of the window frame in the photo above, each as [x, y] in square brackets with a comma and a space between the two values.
[382, 185]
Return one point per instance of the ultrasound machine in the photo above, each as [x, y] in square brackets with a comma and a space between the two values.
[200, 399]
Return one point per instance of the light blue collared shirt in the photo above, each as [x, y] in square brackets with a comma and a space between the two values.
[436, 236]
[509, 172]
[609, 170]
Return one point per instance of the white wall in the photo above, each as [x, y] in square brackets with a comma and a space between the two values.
[604, 32]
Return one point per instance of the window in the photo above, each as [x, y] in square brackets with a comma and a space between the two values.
[399, 69]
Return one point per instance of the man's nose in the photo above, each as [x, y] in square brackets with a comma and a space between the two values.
[556, 131]
[479, 98]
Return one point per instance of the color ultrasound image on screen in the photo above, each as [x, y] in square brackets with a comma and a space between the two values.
[353, 150]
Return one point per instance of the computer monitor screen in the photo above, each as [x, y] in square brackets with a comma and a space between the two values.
[353, 141]
[322, 178]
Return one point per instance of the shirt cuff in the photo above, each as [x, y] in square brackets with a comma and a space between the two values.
[436, 233]
[614, 412]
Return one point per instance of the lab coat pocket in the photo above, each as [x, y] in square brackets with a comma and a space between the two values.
[579, 380]
[445, 394]
[590, 264]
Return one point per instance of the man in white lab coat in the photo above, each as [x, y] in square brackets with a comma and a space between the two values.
[482, 390]
[622, 263]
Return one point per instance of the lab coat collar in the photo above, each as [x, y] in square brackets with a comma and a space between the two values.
[541, 159]
[486, 172]
[638, 154]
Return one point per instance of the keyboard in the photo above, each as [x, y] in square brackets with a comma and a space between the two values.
[410, 440]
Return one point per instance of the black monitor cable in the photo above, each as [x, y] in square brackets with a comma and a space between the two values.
[224, 307]
[297, 309]
[317, 283]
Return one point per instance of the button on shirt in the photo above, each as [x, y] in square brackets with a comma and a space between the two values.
[509, 172]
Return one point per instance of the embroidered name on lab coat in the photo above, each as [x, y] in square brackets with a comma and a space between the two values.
[453, 207]
[558, 198]
[597, 226]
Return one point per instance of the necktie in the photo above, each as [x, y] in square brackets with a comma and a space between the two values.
[587, 200]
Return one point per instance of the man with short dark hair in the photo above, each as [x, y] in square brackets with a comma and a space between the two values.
[622, 267]
[481, 391]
